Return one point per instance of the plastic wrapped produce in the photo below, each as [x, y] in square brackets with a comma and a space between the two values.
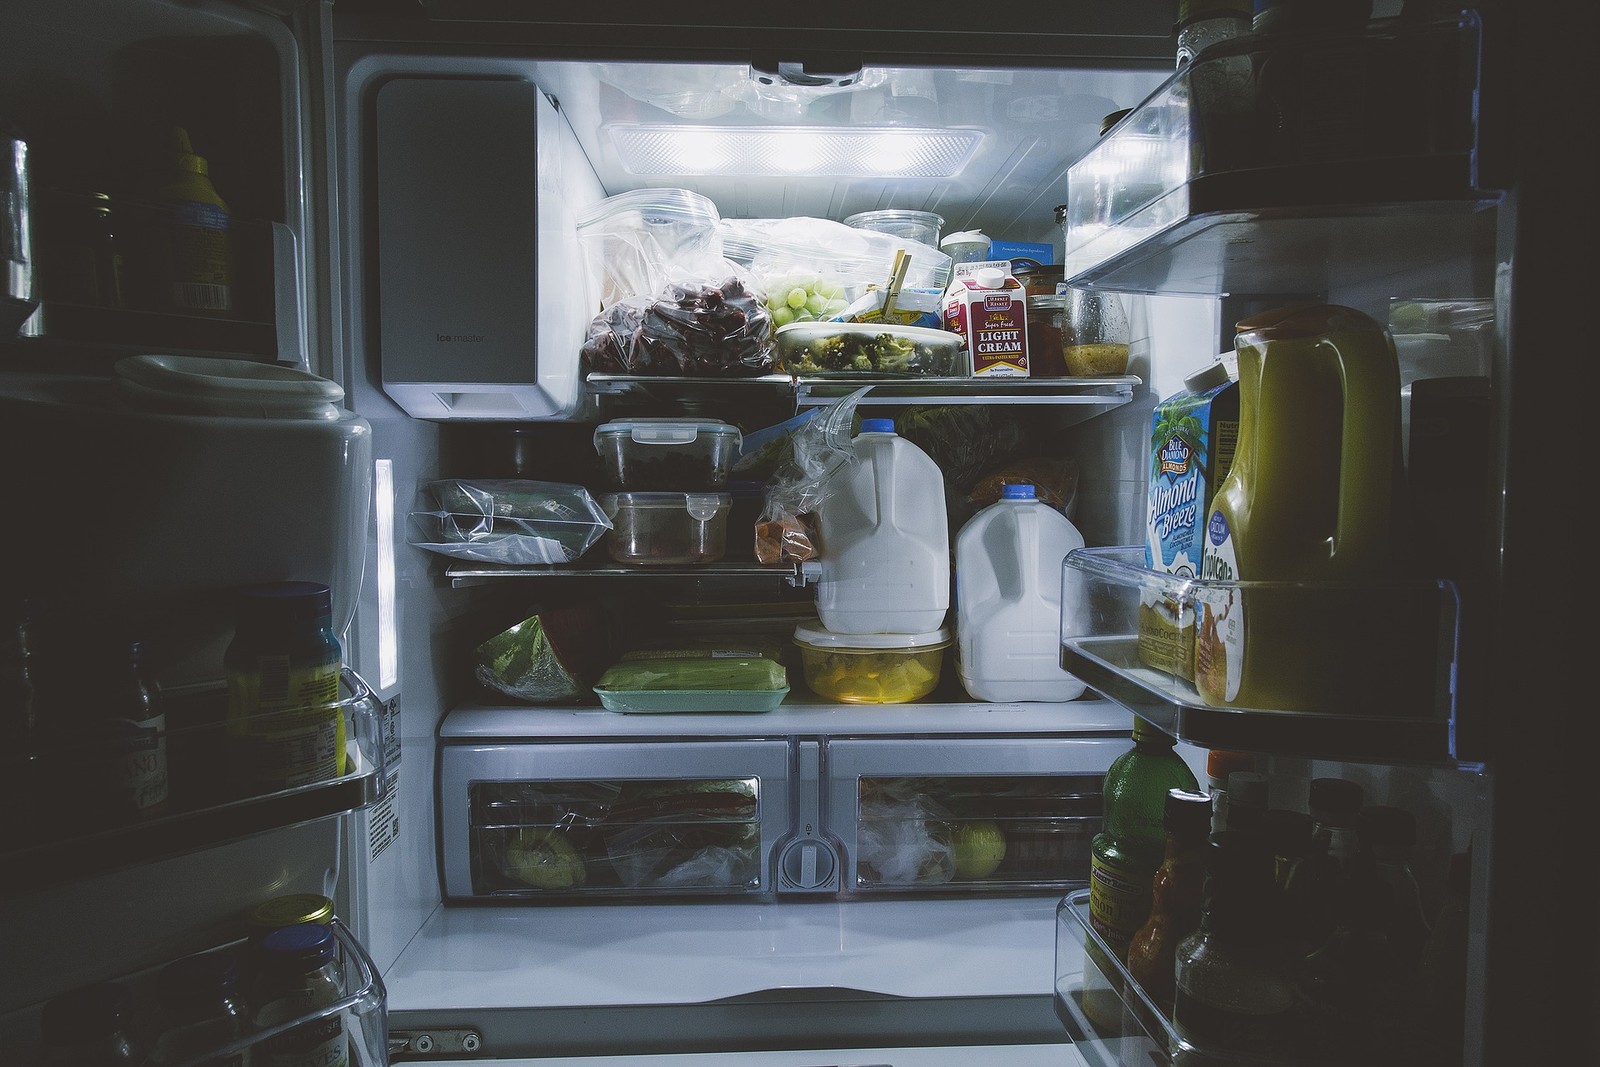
[691, 329]
[509, 520]
[554, 655]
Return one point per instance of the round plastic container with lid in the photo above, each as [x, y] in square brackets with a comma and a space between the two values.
[923, 226]
[871, 668]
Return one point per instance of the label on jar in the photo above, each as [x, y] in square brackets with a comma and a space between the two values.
[323, 1042]
[131, 764]
[286, 729]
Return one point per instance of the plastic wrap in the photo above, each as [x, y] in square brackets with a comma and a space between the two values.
[507, 520]
[685, 834]
[904, 839]
[555, 655]
[818, 447]
[709, 325]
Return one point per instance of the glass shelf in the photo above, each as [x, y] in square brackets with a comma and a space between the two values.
[1289, 162]
[201, 811]
[1096, 393]
[1376, 684]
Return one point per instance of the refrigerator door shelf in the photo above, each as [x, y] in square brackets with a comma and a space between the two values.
[1381, 689]
[203, 809]
[363, 1008]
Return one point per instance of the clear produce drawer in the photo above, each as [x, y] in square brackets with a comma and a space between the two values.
[1334, 670]
[557, 822]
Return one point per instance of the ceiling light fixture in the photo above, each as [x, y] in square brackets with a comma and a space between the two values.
[791, 151]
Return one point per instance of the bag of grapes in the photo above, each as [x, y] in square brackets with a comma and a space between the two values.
[818, 270]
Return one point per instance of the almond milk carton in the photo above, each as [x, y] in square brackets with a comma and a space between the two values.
[988, 307]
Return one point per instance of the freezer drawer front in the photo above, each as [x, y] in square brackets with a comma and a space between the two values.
[990, 814]
[585, 821]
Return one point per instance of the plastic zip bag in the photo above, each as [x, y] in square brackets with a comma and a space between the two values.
[818, 448]
[507, 520]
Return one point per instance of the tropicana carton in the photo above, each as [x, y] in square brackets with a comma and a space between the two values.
[987, 306]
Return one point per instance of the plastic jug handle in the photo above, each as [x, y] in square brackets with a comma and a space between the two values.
[1028, 542]
[1370, 375]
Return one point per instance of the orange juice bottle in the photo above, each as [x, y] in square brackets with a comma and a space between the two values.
[1310, 499]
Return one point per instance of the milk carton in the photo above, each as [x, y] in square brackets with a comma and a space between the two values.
[987, 306]
[1193, 437]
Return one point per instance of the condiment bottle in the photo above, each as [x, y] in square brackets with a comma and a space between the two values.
[1311, 498]
[202, 1010]
[1315, 892]
[193, 255]
[1175, 894]
[1221, 762]
[1388, 837]
[298, 975]
[282, 669]
[90, 1027]
[1129, 848]
[1235, 992]
[106, 757]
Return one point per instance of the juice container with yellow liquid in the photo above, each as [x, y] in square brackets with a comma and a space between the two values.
[1309, 511]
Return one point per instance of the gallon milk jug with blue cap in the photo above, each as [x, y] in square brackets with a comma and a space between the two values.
[885, 539]
[1008, 599]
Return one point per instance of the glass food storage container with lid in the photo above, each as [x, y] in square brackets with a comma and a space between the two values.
[667, 528]
[678, 454]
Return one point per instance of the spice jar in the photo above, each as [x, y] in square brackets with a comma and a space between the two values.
[1047, 320]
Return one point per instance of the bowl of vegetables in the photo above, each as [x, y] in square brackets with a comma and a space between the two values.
[871, 668]
[869, 350]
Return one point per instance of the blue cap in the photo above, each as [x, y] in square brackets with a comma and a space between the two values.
[877, 426]
[307, 945]
[1017, 491]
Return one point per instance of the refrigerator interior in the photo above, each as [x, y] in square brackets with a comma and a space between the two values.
[295, 132]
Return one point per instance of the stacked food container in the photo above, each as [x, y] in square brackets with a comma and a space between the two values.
[670, 475]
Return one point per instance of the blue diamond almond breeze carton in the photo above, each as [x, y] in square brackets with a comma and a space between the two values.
[1193, 436]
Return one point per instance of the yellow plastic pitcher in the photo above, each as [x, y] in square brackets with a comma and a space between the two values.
[1309, 509]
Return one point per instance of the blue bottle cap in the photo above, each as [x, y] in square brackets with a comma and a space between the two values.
[877, 426]
[1017, 491]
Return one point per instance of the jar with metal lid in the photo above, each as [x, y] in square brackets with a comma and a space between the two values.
[80, 250]
[1047, 321]
[298, 976]
[1038, 279]
[292, 909]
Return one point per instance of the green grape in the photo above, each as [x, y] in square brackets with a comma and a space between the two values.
[804, 316]
[797, 297]
[817, 304]
[833, 308]
[782, 315]
[830, 290]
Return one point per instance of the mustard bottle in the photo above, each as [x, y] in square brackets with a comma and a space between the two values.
[1308, 508]
[193, 257]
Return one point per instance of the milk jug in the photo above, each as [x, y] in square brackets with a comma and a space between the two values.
[1300, 535]
[884, 539]
[1008, 600]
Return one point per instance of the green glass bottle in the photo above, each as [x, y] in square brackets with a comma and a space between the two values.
[1129, 848]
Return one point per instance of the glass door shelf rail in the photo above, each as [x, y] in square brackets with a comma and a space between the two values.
[362, 1007]
[1367, 672]
[1100, 393]
[59, 841]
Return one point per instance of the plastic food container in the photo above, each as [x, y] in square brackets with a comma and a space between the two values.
[667, 528]
[693, 683]
[680, 454]
[924, 226]
[871, 668]
[869, 349]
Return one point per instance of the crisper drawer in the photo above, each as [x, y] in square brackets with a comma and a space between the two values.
[562, 822]
[922, 815]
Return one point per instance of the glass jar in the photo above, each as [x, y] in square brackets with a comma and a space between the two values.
[1047, 320]
[284, 724]
[1096, 334]
[298, 976]
[201, 1010]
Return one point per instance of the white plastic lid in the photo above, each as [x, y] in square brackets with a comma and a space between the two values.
[817, 637]
[669, 430]
[989, 278]
[197, 385]
[1207, 378]
[964, 237]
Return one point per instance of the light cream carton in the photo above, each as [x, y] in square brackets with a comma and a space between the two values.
[987, 306]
